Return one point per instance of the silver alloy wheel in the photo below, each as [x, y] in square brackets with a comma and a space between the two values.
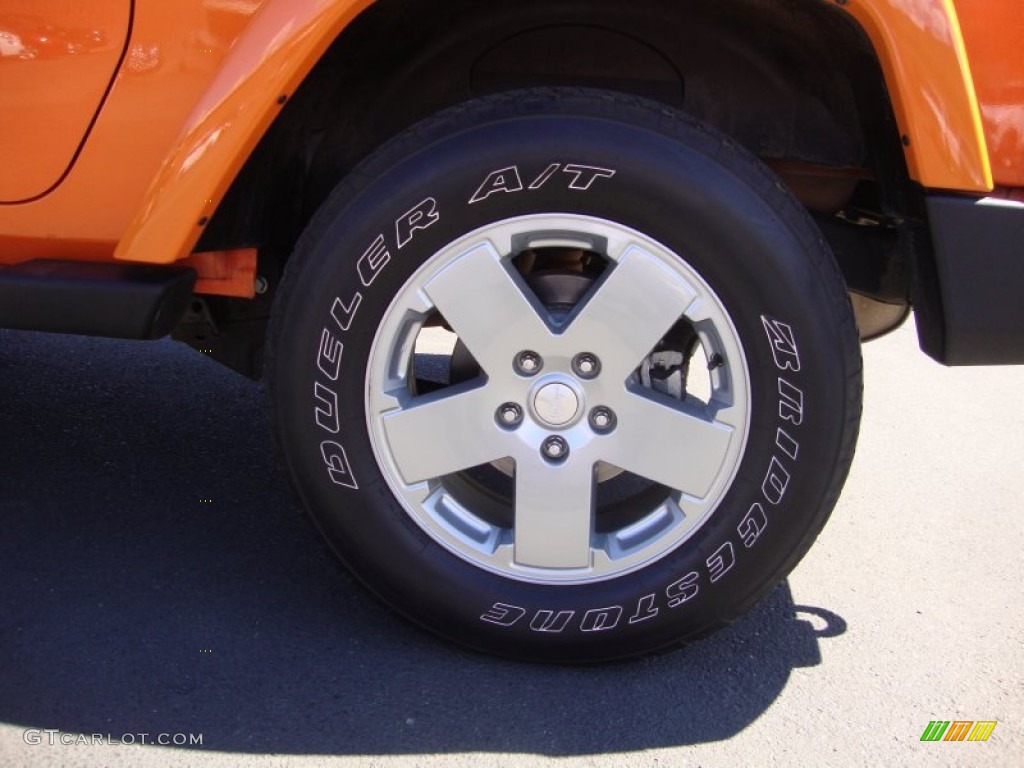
[572, 423]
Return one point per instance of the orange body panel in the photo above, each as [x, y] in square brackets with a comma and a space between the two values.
[202, 79]
[994, 35]
[198, 88]
[57, 58]
[921, 50]
[176, 50]
[286, 40]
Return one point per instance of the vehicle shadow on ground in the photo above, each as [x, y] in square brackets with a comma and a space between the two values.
[156, 577]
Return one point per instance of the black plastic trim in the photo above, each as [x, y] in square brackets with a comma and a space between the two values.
[979, 260]
[128, 301]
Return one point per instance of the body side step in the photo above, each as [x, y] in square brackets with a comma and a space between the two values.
[127, 301]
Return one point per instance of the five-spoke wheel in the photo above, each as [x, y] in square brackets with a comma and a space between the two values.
[559, 392]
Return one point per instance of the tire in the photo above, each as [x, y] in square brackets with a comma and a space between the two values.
[564, 375]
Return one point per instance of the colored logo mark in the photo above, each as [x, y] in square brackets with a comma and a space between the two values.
[958, 730]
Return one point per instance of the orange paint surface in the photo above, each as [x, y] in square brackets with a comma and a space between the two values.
[201, 79]
[994, 35]
[175, 52]
[57, 58]
[286, 40]
[919, 45]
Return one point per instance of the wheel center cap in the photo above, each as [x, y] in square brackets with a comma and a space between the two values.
[556, 404]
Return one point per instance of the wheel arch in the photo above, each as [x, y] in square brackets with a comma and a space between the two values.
[355, 73]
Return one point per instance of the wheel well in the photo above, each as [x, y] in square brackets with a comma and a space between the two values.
[796, 83]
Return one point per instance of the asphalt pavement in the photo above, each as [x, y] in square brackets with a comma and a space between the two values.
[157, 578]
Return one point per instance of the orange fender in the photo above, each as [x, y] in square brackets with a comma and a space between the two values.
[278, 49]
[921, 50]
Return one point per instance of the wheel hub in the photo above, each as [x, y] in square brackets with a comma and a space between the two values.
[556, 404]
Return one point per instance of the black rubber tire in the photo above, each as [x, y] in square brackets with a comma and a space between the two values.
[677, 182]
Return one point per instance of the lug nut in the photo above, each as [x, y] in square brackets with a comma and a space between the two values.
[555, 448]
[586, 365]
[510, 415]
[602, 419]
[528, 363]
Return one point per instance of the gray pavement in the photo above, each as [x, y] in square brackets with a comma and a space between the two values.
[157, 578]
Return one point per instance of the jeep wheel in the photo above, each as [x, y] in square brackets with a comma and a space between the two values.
[564, 375]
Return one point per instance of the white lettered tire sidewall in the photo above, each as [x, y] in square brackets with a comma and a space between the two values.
[662, 175]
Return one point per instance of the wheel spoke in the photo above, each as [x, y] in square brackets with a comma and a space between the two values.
[679, 448]
[631, 311]
[487, 306]
[554, 513]
[443, 434]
